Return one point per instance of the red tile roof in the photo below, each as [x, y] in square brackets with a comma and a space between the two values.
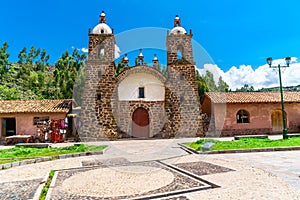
[252, 97]
[35, 106]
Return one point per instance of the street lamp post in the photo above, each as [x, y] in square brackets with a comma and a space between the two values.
[287, 60]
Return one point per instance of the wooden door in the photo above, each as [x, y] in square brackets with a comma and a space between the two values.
[277, 121]
[140, 123]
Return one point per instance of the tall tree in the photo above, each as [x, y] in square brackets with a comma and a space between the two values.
[209, 80]
[202, 86]
[66, 72]
[245, 88]
[222, 85]
[120, 67]
[4, 55]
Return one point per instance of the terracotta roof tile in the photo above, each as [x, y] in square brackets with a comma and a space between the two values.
[252, 97]
[36, 106]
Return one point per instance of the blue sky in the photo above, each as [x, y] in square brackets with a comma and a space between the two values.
[233, 33]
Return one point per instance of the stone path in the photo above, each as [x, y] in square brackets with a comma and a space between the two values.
[269, 175]
[285, 164]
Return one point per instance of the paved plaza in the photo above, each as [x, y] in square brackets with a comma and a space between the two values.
[159, 169]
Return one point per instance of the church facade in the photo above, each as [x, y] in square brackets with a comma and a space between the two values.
[139, 102]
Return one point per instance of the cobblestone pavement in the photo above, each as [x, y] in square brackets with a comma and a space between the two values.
[251, 175]
[19, 189]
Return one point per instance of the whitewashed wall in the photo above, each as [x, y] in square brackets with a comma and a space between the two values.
[128, 89]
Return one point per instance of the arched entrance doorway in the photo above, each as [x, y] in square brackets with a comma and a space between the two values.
[140, 123]
[277, 121]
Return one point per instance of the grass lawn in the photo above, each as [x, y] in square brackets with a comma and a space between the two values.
[246, 143]
[23, 153]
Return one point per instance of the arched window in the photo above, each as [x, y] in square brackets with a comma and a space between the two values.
[101, 52]
[179, 51]
[179, 54]
[140, 62]
[242, 116]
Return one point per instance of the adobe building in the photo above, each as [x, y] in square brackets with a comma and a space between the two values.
[140, 102]
[245, 113]
[21, 116]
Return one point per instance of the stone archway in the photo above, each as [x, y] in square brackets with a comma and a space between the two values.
[140, 123]
[277, 121]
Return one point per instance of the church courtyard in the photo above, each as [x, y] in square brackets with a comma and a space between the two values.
[158, 169]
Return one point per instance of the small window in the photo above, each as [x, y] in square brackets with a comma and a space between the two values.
[141, 92]
[40, 119]
[179, 54]
[181, 77]
[242, 116]
[101, 52]
[98, 97]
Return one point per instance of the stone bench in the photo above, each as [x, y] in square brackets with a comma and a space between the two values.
[250, 136]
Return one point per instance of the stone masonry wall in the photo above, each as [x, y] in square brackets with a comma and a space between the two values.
[182, 43]
[124, 111]
[181, 83]
[104, 95]
[97, 122]
[172, 108]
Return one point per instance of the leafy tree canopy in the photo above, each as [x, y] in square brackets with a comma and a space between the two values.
[31, 77]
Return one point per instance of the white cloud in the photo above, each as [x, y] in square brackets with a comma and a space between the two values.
[117, 51]
[261, 77]
[84, 50]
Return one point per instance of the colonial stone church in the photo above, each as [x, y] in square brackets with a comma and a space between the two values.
[139, 102]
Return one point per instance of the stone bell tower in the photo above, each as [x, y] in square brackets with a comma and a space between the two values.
[97, 121]
[182, 99]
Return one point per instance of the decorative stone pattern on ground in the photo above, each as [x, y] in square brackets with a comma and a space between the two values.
[106, 162]
[202, 168]
[177, 198]
[19, 189]
[180, 182]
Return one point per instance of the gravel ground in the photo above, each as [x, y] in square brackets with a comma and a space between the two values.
[177, 198]
[143, 179]
[244, 183]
